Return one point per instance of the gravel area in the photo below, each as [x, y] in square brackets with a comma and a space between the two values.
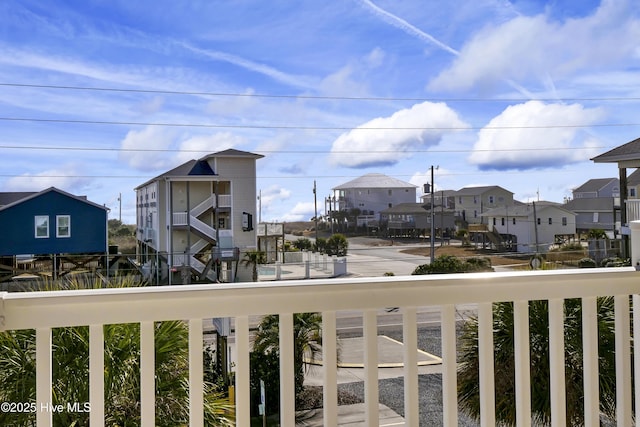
[391, 393]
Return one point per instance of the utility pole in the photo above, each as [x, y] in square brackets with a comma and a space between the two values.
[260, 207]
[120, 207]
[432, 237]
[315, 204]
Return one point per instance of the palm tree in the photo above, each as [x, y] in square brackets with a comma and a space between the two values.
[468, 374]
[121, 376]
[307, 328]
[252, 259]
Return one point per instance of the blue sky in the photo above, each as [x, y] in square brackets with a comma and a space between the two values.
[519, 94]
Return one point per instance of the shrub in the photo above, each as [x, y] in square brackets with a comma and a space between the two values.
[478, 264]
[302, 244]
[320, 245]
[613, 262]
[337, 245]
[586, 263]
[446, 264]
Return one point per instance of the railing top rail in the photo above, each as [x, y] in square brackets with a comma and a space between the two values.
[122, 305]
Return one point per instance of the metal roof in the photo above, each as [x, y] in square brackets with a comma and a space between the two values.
[374, 180]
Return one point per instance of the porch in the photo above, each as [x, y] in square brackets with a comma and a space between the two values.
[44, 311]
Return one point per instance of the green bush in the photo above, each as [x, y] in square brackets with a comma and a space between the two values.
[446, 264]
[303, 244]
[613, 262]
[337, 245]
[586, 263]
[320, 245]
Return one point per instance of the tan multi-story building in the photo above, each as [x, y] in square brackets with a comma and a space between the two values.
[195, 221]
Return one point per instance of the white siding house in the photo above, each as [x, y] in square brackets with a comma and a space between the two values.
[472, 202]
[373, 193]
[535, 227]
[194, 220]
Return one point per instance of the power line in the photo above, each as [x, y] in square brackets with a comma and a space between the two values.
[318, 97]
[175, 150]
[298, 127]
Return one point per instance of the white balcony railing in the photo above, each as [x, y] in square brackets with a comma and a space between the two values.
[44, 311]
[633, 209]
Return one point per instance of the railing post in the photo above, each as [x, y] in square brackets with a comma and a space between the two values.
[487, 369]
[590, 362]
[287, 374]
[522, 362]
[371, 395]
[330, 367]
[147, 375]
[44, 376]
[196, 374]
[243, 391]
[96, 375]
[624, 411]
[556, 363]
[449, 366]
[410, 338]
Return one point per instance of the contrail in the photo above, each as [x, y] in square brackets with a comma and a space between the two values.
[405, 26]
[273, 73]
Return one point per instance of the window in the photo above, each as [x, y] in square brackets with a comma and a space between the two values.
[460, 200]
[42, 226]
[475, 200]
[632, 192]
[502, 221]
[475, 214]
[595, 217]
[514, 221]
[564, 220]
[390, 192]
[63, 226]
[494, 221]
[491, 199]
[539, 222]
[550, 221]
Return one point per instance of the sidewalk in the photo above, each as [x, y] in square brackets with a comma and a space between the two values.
[351, 369]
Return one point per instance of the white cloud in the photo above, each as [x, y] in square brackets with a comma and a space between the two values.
[532, 140]
[302, 211]
[439, 177]
[152, 140]
[67, 178]
[530, 47]
[395, 137]
[201, 145]
[273, 196]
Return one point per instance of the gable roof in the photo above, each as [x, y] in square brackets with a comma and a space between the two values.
[634, 178]
[374, 180]
[594, 185]
[233, 153]
[520, 210]
[200, 167]
[30, 196]
[11, 197]
[628, 151]
[476, 191]
[595, 204]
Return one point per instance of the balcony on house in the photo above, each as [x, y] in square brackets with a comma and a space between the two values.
[43, 311]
